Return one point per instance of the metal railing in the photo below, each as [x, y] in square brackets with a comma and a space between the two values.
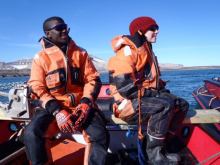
[4, 86]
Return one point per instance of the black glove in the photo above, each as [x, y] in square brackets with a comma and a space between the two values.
[53, 107]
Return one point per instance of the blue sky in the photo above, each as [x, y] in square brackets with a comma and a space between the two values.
[189, 29]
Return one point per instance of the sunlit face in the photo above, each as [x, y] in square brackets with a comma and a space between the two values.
[151, 34]
[60, 38]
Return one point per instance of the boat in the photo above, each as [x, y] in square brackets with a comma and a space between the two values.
[195, 143]
[208, 96]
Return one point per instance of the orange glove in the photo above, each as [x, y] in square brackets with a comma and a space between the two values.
[81, 113]
[64, 121]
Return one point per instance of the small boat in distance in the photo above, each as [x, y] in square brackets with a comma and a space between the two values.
[208, 96]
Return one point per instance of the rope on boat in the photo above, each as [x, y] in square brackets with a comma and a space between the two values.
[200, 93]
[4, 86]
[208, 159]
[205, 90]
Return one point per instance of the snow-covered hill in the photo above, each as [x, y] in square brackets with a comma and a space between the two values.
[101, 65]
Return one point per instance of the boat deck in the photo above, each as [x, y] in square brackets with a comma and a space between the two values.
[124, 157]
[129, 156]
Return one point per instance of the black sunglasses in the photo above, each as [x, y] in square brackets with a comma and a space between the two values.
[153, 28]
[59, 27]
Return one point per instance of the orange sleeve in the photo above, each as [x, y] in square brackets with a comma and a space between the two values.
[121, 64]
[91, 79]
[37, 82]
[122, 67]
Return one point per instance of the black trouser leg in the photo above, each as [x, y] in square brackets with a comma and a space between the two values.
[33, 137]
[99, 137]
[176, 121]
[159, 111]
[179, 115]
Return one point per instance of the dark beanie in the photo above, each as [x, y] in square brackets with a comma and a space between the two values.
[141, 23]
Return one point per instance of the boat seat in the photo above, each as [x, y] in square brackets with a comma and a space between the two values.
[192, 116]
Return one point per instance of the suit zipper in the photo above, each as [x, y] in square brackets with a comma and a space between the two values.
[67, 77]
[156, 67]
[67, 71]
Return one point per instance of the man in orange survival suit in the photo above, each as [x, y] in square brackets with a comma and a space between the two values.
[66, 84]
[134, 78]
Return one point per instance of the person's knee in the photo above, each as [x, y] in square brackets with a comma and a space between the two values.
[21, 138]
[101, 135]
[31, 131]
[169, 105]
[184, 105]
[98, 134]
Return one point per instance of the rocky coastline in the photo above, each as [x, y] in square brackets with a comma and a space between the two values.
[22, 67]
[15, 73]
[26, 72]
[190, 68]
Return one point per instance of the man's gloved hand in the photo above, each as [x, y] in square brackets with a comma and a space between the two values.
[64, 121]
[81, 113]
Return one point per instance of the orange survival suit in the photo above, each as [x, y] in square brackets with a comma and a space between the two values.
[63, 77]
[136, 88]
[134, 66]
[139, 95]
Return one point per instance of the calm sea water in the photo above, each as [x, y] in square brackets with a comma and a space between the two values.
[182, 82]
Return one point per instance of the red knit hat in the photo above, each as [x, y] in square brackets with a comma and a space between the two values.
[142, 23]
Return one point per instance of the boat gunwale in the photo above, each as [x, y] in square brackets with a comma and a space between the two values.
[216, 83]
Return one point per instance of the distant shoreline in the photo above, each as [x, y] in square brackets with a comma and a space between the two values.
[26, 72]
[15, 73]
[183, 68]
[191, 68]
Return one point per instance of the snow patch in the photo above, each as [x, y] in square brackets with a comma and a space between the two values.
[19, 66]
